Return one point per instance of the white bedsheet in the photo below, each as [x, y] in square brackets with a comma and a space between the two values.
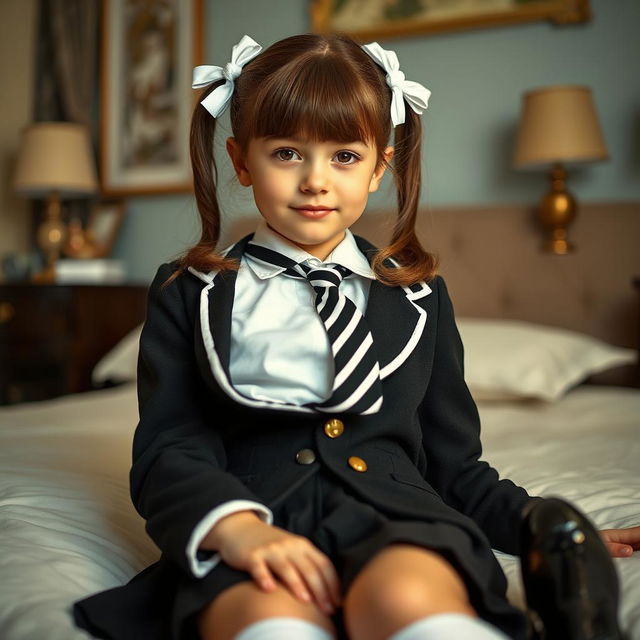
[67, 525]
[68, 529]
[585, 448]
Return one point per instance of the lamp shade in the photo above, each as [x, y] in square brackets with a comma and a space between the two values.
[55, 156]
[558, 124]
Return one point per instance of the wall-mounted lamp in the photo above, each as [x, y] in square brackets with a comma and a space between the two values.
[558, 126]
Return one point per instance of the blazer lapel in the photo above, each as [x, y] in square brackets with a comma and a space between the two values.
[221, 306]
[395, 318]
[216, 306]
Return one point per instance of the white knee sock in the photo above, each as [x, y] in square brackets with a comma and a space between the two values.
[280, 628]
[446, 626]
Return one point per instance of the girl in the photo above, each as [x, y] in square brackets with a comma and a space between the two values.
[307, 457]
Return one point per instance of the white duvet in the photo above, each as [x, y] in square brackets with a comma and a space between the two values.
[68, 529]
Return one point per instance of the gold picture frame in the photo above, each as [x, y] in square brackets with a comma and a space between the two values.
[148, 53]
[368, 20]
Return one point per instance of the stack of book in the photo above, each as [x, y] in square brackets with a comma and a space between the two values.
[90, 271]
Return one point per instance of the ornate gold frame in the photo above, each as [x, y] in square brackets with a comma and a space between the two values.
[117, 180]
[557, 11]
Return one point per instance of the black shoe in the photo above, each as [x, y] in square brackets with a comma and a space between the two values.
[570, 581]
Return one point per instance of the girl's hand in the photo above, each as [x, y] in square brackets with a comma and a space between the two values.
[621, 542]
[268, 553]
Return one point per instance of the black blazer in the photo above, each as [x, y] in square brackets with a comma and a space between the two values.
[199, 443]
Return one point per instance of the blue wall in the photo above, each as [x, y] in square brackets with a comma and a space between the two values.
[477, 79]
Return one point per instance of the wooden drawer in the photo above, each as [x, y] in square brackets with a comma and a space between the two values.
[51, 336]
[24, 316]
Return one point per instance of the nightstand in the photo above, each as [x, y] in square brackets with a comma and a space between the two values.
[51, 336]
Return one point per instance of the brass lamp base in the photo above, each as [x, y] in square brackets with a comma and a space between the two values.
[556, 212]
[51, 235]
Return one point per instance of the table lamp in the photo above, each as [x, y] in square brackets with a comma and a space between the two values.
[558, 126]
[55, 162]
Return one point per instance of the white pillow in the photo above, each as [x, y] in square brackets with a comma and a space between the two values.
[120, 363]
[510, 358]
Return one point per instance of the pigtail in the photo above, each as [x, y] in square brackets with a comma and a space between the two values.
[203, 256]
[416, 264]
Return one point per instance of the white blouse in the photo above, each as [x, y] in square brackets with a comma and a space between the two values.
[280, 351]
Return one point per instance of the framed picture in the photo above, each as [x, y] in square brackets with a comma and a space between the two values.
[149, 49]
[103, 225]
[382, 19]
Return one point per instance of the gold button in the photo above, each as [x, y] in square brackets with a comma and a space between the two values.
[358, 464]
[334, 427]
[305, 456]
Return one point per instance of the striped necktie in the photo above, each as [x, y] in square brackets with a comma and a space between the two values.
[356, 386]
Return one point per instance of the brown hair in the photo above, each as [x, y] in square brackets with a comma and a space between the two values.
[321, 87]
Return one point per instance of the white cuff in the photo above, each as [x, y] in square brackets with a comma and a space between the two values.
[201, 568]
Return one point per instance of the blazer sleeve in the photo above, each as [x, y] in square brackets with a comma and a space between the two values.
[178, 472]
[451, 436]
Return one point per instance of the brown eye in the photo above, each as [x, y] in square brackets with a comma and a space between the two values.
[346, 157]
[285, 154]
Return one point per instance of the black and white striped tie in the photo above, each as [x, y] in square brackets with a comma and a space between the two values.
[356, 385]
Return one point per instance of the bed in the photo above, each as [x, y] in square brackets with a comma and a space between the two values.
[68, 528]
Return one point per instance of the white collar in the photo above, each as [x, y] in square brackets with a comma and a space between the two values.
[346, 254]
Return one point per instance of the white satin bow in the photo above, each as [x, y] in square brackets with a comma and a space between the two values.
[413, 92]
[205, 74]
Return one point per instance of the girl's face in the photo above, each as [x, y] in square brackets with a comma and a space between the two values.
[309, 192]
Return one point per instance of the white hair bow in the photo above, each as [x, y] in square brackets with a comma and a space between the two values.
[413, 92]
[205, 74]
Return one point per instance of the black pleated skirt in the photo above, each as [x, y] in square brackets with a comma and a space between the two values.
[162, 602]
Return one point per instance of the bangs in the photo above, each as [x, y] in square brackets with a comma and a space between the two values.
[317, 99]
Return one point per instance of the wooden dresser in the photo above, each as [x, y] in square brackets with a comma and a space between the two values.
[51, 336]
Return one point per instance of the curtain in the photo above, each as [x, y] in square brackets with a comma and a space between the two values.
[66, 74]
[69, 72]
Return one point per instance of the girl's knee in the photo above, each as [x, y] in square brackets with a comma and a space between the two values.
[245, 604]
[411, 595]
[400, 585]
